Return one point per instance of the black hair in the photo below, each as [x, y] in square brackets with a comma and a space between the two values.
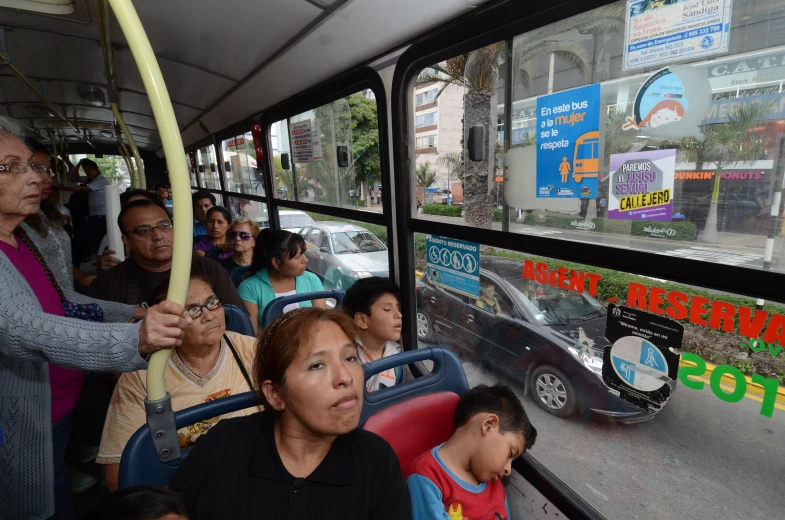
[126, 195]
[89, 163]
[361, 296]
[275, 244]
[138, 204]
[502, 401]
[203, 194]
[162, 289]
[139, 503]
[222, 210]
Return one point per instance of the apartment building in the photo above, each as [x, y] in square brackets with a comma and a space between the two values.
[438, 126]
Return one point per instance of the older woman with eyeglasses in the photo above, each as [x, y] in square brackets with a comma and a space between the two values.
[35, 331]
[242, 240]
[211, 363]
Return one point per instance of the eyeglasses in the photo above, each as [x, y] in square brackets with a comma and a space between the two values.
[145, 232]
[21, 167]
[213, 304]
[242, 235]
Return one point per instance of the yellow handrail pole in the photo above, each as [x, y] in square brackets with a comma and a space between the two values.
[127, 158]
[142, 182]
[178, 173]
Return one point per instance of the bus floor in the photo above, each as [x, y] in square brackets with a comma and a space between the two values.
[88, 423]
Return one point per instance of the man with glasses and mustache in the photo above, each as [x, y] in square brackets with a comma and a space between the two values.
[147, 232]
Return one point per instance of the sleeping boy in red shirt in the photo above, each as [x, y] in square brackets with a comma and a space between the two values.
[462, 478]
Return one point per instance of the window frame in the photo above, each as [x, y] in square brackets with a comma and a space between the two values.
[329, 91]
[474, 31]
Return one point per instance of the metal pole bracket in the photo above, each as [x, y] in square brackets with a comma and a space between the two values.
[163, 430]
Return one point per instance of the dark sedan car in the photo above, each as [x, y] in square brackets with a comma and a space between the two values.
[552, 341]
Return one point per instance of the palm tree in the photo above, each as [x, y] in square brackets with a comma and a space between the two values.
[453, 161]
[426, 175]
[478, 72]
[729, 144]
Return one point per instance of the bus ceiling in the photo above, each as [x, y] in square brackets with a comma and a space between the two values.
[223, 62]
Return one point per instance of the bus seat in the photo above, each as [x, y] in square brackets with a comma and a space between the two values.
[140, 465]
[237, 320]
[275, 307]
[414, 416]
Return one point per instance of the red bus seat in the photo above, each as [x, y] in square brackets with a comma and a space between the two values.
[416, 415]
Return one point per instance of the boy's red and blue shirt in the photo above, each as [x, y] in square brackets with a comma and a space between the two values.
[437, 493]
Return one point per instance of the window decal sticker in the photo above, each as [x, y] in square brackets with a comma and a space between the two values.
[665, 31]
[642, 363]
[454, 265]
[568, 143]
[642, 186]
[671, 103]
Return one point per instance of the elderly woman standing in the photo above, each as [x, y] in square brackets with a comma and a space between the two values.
[35, 331]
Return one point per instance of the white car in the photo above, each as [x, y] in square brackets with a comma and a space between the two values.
[293, 220]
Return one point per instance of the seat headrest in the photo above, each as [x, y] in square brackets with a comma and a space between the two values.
[416, 425]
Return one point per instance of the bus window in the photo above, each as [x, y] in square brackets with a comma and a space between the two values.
[335, 154]
[682, 159]
[242, 172]
[704, 197]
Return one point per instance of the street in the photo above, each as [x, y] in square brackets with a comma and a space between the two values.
[699, 458]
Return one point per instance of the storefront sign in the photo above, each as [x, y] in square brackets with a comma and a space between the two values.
[742, 175]
[642, 185]
[235, 142]
[721, 110]
[640, 366]
[656, 33]
[568, 143]
[454, 265]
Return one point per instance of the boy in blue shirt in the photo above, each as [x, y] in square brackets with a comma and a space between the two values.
[462, 478]
[374, 306]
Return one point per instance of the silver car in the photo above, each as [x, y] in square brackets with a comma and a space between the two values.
[341, 253]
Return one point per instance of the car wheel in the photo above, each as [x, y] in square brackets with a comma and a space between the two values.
[552, 391]
[424, 328]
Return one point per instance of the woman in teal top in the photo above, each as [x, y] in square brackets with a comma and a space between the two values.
[280, 260]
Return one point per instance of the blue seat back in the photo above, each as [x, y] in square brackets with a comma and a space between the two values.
[447, 376]
[275, 307]
[237, 320]
[140, 465]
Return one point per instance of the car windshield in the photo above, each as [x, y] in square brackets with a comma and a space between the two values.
[356, 242]
[295, 221]
[555, 306]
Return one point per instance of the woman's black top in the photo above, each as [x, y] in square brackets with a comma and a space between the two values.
[235, 472]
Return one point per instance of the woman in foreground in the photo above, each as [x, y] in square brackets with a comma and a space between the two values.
[303, 457]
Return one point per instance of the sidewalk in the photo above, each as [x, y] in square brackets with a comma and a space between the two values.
[751, 245]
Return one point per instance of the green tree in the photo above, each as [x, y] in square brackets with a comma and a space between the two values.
[728, 144]
[426, 175]
[110, 167]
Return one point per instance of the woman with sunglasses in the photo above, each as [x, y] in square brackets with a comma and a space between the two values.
[242, 240]
[215, 245]
[210, 364]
